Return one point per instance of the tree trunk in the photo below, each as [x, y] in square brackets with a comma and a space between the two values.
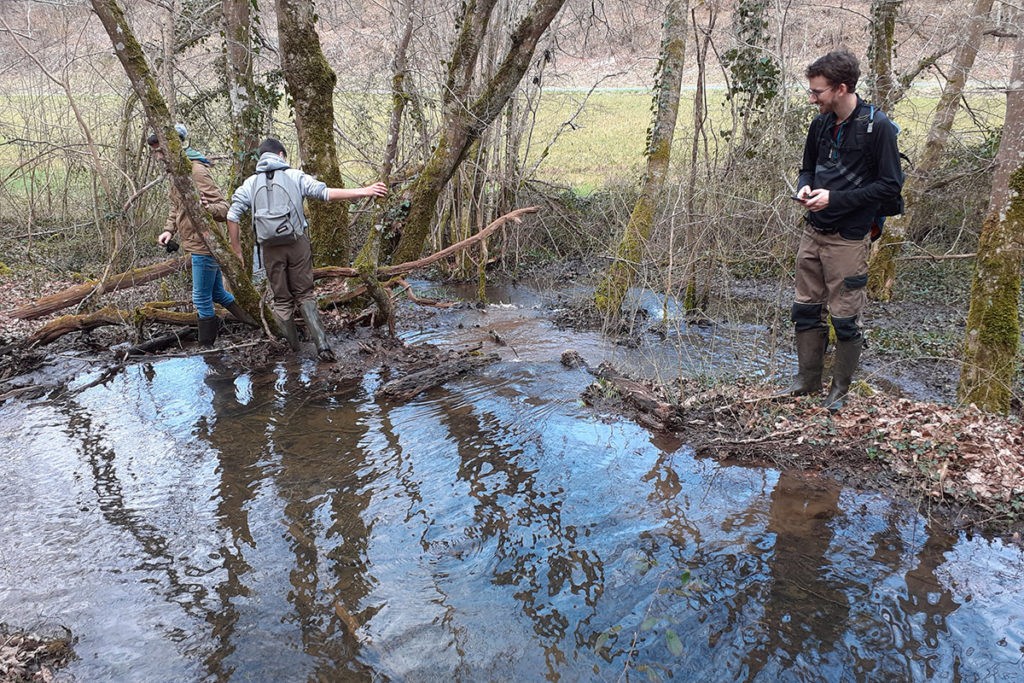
[368, 258]
[993, 331]
[247, 117]
[132, 58]
[311, 83]
[464, 123]
[882, 268]
[880, 47]
[612, 290]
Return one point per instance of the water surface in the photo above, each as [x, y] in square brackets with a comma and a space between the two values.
[189, 520]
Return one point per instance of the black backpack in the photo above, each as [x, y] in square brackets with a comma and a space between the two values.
[893, 206]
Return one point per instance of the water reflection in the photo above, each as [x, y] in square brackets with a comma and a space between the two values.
[314, 463]
[805, 607]
[222, 523]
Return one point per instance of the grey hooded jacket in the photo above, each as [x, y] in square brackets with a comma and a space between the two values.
[241, 200]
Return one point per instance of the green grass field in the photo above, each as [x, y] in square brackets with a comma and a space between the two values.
[42, 146]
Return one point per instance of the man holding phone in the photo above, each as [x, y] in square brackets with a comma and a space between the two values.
[850, 166]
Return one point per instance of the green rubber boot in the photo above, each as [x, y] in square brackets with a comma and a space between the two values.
[845, 364]
[311, 314]
[810, 354]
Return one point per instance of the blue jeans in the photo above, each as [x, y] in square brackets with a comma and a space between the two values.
[207, 286]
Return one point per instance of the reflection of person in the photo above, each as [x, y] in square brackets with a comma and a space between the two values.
[805, 608]
[850, 165]
[207, 283]
[289, 267]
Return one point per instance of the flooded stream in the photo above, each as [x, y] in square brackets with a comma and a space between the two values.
[190, 521]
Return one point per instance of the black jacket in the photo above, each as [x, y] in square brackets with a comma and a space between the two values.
[859, 171]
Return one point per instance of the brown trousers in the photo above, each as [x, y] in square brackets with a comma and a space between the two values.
[290, 273]
[833, 271]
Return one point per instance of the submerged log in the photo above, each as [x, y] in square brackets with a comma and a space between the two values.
[73, 295]
[404, 388]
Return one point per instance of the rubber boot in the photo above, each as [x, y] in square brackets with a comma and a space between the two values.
[290, 332]
[845, 364]
[208, 328]
[810, 354]
[240, 315]
[311, 314]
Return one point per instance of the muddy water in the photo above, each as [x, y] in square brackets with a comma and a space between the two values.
[190, 521]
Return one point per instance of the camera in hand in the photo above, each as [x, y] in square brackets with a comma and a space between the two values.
[171, 246]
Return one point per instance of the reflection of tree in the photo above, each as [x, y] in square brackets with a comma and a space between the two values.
[805, 610]
[231, 434]
[313, 454]
[325, 494]
[511, 508]
[158, 563]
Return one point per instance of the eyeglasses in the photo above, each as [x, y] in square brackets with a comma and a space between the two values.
[817, 93]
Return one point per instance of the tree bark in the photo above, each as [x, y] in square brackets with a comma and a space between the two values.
[132, 58]
[612, 290]
[464, 123]
[367, 260]
[882, 268]
[993, 330]
[311, 83]
[880, 46]
[248, 120]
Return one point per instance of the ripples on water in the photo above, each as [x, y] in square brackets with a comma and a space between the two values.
[188, 522]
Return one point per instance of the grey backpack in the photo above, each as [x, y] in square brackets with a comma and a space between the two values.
[275, 217]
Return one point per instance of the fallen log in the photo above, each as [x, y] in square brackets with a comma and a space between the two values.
[55, 329]
[109, 315]
[73, 295]
[175, 338]
[404, 388]
[651, 410]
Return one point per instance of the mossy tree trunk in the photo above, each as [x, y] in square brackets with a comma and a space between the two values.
[129, 53]
[465, 118]
[311, 81]
[612, 290]
[248, 118]
[691, 303]
[880, 48]
[993, 330]
[368, 258]
[882, 268]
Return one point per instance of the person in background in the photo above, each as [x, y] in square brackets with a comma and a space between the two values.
[207, 282]
[851, 164]
[289, 267]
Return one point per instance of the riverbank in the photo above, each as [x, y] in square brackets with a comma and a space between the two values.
[26, 657]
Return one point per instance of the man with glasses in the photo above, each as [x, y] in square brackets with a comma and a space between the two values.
[850, 166]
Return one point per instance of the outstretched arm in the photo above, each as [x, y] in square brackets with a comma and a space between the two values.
[340, 194]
